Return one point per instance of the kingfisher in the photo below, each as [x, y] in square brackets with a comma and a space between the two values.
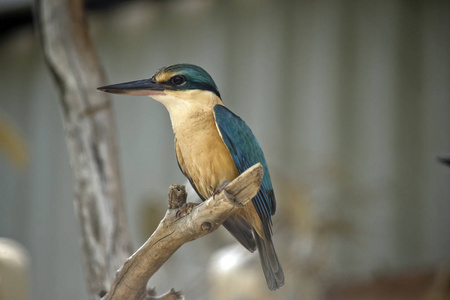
[213, 146]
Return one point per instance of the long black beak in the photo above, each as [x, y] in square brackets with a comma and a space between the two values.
[145, 87]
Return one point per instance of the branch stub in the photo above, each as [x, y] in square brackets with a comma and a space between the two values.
[177, 196]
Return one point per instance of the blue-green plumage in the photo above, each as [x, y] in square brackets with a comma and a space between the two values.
[246, 151]
[196, 78]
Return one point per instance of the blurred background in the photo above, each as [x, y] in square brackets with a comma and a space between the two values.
[350, 101]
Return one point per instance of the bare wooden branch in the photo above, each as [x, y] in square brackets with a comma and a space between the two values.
[90, 136]
[173, 231]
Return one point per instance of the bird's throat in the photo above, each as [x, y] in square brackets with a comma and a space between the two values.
[187, 107]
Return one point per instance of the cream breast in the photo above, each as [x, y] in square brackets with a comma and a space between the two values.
[201, 152]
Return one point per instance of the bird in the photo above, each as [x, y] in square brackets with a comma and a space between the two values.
[213, 146]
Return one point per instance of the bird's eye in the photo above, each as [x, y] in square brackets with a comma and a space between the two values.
[178, 79]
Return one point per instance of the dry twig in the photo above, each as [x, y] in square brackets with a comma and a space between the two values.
[173, 231]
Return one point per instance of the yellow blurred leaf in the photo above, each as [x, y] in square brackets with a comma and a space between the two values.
[12, 144]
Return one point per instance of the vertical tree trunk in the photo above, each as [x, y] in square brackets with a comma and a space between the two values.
[90, 136]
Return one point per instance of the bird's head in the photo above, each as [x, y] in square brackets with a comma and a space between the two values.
[176, 86]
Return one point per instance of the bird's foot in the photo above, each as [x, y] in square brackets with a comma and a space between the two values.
[220, 188]
[186, 209]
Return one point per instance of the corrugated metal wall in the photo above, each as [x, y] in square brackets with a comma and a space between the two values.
[349, 99]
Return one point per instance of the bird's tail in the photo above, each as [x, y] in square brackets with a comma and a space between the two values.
[241, 230]
[269, 262]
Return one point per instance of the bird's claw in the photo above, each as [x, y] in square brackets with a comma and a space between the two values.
[220, 188]
[185, 209]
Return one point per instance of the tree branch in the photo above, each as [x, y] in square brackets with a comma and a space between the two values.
[90, 137]
[173, 231]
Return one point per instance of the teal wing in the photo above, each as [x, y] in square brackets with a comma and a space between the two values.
[246, 151]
